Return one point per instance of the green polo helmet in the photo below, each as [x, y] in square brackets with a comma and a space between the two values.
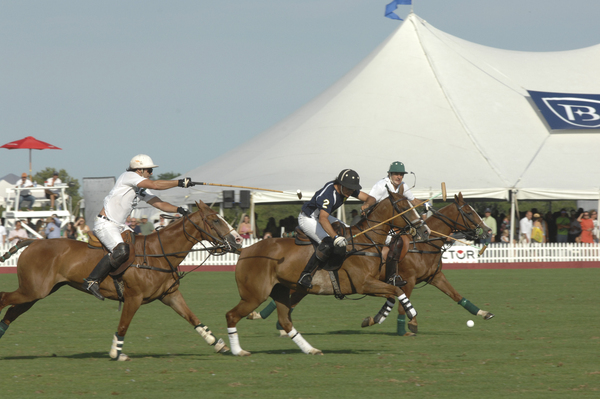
[397, 167]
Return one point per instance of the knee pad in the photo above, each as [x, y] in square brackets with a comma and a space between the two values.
[119, 255]
[324, 249]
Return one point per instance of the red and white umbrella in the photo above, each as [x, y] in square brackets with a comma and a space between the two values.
[30, 143]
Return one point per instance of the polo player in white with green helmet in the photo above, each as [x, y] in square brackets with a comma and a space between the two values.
[131, 188]
[392, 182]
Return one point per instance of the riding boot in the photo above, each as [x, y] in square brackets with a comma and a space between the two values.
[305, 279]
[92, 283]
[391, 264]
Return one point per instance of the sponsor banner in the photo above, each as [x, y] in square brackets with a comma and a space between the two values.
[568, 111]
[460, 254]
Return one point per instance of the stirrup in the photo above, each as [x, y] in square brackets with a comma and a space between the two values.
[305, 280]
[93, 288]
[397, 280]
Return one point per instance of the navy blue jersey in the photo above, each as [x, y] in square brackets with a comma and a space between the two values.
[327, 199]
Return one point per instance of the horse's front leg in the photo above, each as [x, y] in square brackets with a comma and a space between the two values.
[177, 303]
[442, 284]
[372, 286]
[130, 306]
[281, 296]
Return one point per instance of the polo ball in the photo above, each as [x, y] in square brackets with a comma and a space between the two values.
[470, 323]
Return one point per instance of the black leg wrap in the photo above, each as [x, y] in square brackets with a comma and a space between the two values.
[384, 311]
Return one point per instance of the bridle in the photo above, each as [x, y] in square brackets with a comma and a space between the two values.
[464, 224]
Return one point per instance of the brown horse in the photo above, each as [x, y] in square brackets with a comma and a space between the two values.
[423, 263]
[272, 267]
[46, 265]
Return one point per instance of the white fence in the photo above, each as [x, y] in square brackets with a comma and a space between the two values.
[495, 253]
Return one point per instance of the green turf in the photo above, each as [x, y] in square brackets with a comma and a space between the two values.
[543, 343]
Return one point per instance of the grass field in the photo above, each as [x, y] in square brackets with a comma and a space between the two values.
[543, 343]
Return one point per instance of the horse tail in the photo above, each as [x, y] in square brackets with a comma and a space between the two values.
[15, 248]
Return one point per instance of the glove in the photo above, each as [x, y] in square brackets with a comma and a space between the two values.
[340, 241]
[182, 211]
[186, 182]
[428, 206]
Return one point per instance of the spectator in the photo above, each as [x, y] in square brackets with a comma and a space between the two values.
[32, 226]
[245, 228]
[145, 226]
[504, 224]
[550, 224]
[52, 230]
[70, 231]
[272, 227]
[162, 222]
[587, 228]
[134, 226]
[26, 200]
[267, 235]
[504, 236]
[2, 232]
[17, 234]
[82, 230]
[52, 195]
[525, 226]
[596, 232]
[575, 227]
[355, 217]
[563, 223]
[537, 231]
[491, 223]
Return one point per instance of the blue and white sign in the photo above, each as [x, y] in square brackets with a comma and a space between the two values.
[568, 111]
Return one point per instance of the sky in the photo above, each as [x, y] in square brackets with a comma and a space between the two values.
[184, 81]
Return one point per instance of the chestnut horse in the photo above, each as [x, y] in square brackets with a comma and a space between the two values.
[46, 265]
[423, 263]
[272, 267]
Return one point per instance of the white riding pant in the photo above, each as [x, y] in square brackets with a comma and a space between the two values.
[109, 233]
[312, 228]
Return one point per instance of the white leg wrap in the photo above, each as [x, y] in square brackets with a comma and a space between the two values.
[234, 341]
[408, 308]
[206, 334]
[116, 348]
[301, 342]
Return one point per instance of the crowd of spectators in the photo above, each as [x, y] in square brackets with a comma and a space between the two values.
[533, 227]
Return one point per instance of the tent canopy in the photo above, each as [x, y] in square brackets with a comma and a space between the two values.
[453, 111]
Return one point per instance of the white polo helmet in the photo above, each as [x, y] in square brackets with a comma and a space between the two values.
[141, 161]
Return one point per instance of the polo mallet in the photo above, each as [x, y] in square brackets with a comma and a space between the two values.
[298, 192]
[481, 250]
[395, 216]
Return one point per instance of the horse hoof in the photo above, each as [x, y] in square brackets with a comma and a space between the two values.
[254, 316]
[409, 334]
[244, 353]
[315, 351]
[488, 316]
[367, 322]
[413, 328]
[220, 346]
[123, 358]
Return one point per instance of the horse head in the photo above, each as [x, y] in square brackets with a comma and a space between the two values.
[215, 225]
[396, 204]
[468, 221]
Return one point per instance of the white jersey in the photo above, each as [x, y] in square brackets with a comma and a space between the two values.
[125, 196]
[379, 191]
[49, 183]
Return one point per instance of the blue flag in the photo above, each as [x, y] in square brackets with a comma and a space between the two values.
[390, 8]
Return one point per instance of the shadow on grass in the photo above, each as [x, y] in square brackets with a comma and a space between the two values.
[375, 332]
[104, 356]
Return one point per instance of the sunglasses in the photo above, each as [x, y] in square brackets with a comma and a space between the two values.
[150, 170]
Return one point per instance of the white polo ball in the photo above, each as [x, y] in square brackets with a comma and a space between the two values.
[470, 323]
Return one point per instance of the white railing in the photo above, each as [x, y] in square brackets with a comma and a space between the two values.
[495, 253]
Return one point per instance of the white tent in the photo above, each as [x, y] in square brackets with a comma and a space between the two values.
[453, 111]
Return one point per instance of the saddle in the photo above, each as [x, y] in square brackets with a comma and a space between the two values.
[338, 255]
[128, 237]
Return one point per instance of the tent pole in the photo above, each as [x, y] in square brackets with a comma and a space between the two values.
[252, 220]
[513, 200]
